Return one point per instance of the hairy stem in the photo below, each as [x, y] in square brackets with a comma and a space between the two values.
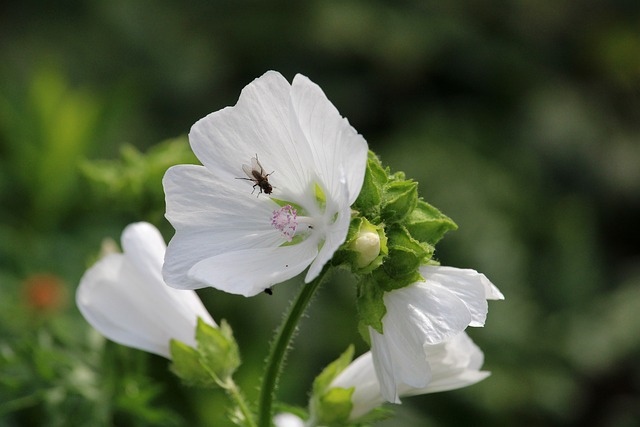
[236, 396]
[279, 348]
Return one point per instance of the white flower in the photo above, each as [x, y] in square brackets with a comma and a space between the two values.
[286, 419]
[124, 297]
[426, 313]
[235, 232]
[452, 364]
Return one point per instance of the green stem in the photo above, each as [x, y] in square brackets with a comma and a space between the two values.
[279, 349]
[236, 396]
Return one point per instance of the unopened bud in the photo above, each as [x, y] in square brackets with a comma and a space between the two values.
[367, 244]
[370, 245]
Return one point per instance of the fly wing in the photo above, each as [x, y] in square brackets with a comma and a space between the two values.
[256, 166]
[248, 170]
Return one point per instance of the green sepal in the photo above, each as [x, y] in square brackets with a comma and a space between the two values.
[428, 224]
[406, 254]
[218, 349]
[331, 371]
[213, 362]
[398, 200]
[336, 407]
[370, 197]
[331, 406]
[186, 364]
[370, 304]
[377, 414]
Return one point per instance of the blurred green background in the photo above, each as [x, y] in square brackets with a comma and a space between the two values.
[520, 120]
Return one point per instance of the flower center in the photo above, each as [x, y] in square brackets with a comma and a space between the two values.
[285, 220]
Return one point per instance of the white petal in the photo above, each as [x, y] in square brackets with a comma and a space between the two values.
[211, 219]
[334, 234]
[145, 247]
[384, 366]
[196, 198]
[250, 271]
[360, 374]
[100, 301]
[397, 362]
[336, 146]
[260, 123]
[124, 298]
[428, 314]
[465, 284]
[286, 419]
[454, 364]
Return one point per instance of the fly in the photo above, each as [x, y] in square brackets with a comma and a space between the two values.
[257, 175]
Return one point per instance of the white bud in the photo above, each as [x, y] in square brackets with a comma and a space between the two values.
[367, 244]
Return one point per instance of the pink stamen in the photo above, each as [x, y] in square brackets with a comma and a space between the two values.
[285, 220]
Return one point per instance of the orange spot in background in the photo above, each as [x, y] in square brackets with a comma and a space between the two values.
[45, 292]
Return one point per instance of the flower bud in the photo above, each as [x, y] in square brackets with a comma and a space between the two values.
[370, 245]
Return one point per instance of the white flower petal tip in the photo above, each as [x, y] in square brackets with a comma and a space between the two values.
[286, 419]
[452, 364]
[281, 169]
[124, 297]
[423, 315]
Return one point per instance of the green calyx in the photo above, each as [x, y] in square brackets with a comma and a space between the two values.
[331, 406]
[408, 229]
[214, 360]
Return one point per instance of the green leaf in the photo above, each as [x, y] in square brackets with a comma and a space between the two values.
[332, 405]
[186, 364]
[406, 254]
[370, 197]
[428, 224]
[336, 407]
[135, 179]
[218, 349]
[370, 303]
[398, 200]
[328, 374]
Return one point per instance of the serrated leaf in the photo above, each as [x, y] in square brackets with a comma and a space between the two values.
[428, 224]
[405, 257]
[186, 365]
[398, 200]
[388, 283]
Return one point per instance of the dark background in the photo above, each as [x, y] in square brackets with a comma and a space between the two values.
[520, 120]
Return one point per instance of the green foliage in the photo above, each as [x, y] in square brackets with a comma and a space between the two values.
[187, 365]
[520, 121]
[71, 383]
[213, 362]
[47, 127]
[134, 181]
[399, 200]
[331, 406]
[218, 349]
[371, 308]
[409, 229]
[428, 224]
